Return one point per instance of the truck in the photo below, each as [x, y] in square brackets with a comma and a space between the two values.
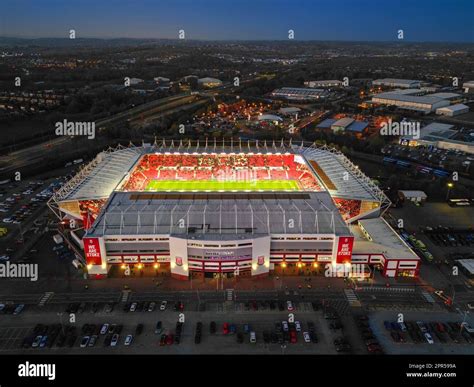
[58, 239]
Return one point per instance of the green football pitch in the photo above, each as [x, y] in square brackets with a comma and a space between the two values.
[217, 185]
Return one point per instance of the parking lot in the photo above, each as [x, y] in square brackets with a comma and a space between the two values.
[315, 322]
[443, 343]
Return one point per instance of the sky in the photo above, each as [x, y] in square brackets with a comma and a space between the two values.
[347, 20]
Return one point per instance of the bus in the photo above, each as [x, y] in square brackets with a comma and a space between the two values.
[459, 202]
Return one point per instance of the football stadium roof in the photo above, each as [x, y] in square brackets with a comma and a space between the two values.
[341, 177]
[224, 215]
[101, 177]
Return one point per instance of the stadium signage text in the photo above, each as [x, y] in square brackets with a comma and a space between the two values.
[213, 253]
[92, 251]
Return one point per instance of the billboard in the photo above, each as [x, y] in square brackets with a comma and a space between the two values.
[344, 249]
[92, 251]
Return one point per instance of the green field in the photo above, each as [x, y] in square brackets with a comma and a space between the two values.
[216, 185]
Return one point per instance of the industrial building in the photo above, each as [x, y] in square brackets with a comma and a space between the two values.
[393, 82]
[453, 110]
[344, 124]
[424, 104]
[323, 84]
[468, 87]
[440, 136]
[299, 93]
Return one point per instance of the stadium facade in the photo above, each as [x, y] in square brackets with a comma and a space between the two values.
[235, 209]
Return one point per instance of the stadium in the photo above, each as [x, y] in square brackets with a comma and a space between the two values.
[228, 209]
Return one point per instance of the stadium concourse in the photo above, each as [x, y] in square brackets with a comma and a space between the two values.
[228, 209]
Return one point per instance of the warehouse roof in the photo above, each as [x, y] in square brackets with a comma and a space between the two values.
[454, 108]
[429, 100]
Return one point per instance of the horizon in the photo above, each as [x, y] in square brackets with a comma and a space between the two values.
[439, 21]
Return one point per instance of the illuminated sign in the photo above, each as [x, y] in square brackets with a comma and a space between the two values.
[344, 249]
[92, 251]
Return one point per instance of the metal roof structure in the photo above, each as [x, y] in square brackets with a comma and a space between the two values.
[220, 216]
[105, 174]
[384, 236]
[100, 177]
[348, 180]
[426, 99]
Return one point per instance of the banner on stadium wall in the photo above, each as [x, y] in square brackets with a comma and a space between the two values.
[344, 249]
[92, 251]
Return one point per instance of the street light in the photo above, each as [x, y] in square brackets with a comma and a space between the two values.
[450, 185]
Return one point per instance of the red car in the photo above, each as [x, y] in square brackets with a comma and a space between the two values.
[293, 338]
[169, 340]
[225, 328]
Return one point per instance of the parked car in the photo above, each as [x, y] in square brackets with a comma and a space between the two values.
[429, 338]
[84, 341]
[128, 340]
[104, 329]
[225, 328]
[289, 306]
[163, 305]
[253, 337]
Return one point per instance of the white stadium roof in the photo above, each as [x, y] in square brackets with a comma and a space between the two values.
[226, 215]
[101, 177]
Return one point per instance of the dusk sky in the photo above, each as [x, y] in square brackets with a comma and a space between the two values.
[368, 20]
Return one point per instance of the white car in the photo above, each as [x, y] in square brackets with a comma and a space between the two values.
[128, 340]
[470, 305]
[306, 337]
[428, 338]
[7, 220]
[163, 305]
[298, 326]
[253, 337]
[104, 329]
[133, 307]
[284, 324]
[289, 306]
[4, 258]
[115, 339]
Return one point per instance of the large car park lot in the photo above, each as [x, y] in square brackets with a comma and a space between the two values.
[321, 325]
[449, 341]
[230, 327]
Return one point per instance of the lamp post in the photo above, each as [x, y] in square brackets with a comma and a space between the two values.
[450, 185]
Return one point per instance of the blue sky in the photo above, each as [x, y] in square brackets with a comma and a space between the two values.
[369, 20]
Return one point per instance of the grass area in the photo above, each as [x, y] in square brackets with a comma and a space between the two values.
[217, 185]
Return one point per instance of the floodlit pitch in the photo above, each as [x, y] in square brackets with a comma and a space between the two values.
[222, 185]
